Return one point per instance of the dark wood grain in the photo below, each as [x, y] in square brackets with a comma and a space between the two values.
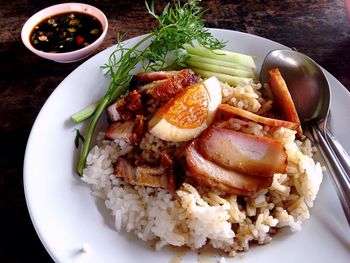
[318, 28]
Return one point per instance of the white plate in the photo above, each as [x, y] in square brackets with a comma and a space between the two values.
[66, 216]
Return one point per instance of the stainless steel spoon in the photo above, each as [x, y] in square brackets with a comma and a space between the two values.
[340, 152]
[311, 94]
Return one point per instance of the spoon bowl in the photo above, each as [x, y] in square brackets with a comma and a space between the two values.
[304, 79]
[311, 94]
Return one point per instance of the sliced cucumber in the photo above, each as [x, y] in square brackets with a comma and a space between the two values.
[220, 69]
[223, 63]
[231, 80]
[224, 55]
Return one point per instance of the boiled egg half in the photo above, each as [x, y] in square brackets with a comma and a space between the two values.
[188, 113]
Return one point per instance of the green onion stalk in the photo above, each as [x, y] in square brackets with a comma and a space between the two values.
[114, 91]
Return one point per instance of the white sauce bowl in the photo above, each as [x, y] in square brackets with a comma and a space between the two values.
[65, 57]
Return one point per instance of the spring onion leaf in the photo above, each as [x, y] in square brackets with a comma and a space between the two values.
[85, 113]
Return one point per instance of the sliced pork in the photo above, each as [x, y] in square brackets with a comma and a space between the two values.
[241, 152]
[232, 111]
[120, 130]
[112, 113]
[163, 90]
[210, 174]
[142, 78]
[129, 131]
[126, 108]
[145, 175]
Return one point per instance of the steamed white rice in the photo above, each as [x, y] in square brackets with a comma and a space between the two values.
[193, 217]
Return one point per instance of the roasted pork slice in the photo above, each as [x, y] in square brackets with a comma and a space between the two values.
[245, 153]
[126, 108]
[163, 90]
[232, 111]
[120, 130]
[145, 175]
[138, 129]
[210, 174]
[130, 131]
[112, 113]
[282, 99]
[142, 78]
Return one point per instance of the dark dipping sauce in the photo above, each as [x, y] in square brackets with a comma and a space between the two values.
[65, 32]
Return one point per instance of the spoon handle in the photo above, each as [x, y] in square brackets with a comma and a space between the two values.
[338, 175]
[339, 151]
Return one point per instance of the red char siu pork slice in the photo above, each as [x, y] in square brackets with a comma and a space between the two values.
[244, 153]
[210, 174]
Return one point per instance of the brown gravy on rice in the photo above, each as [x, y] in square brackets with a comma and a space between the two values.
[195, 215]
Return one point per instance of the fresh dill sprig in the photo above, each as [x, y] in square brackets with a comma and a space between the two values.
[178, 25]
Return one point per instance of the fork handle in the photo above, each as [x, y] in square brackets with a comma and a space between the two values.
[339, 151]
[340, 179]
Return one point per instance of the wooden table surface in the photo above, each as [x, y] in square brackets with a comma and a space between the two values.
[318, 28]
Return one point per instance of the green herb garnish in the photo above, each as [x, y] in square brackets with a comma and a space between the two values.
[78, 137]
[178, 25]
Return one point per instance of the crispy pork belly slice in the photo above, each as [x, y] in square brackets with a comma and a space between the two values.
[147, 88]
[244, 153]
[112, 113]
[232, 111]
[130, 131]
[163, 90]
[282, 99]
[138, 129]
[210, 174]
[145, 175]
[126, 108]
[142, 78]
[130, 105]
[120, 130]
